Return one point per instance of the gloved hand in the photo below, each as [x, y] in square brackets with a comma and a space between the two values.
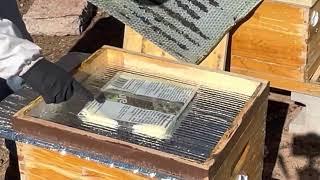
[4, 89]
[53, 83]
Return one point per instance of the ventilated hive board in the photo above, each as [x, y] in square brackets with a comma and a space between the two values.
[224, 106]
[187, 29]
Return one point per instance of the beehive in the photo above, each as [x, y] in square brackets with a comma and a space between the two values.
[280, 43]
[133, 41]
[220, 140]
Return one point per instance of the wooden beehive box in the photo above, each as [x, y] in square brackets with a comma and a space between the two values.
[133, 41]
[280, 43]
[41, 163]
[238, 152]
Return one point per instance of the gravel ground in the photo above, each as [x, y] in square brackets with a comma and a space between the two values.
[53, 47]
[287, 156]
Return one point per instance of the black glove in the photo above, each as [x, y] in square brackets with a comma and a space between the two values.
[53, 83]
[4, 89]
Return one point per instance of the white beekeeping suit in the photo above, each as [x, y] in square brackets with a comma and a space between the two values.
[17, 52]
[21, 60]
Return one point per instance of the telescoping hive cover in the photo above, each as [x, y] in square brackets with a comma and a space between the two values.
[187, 29]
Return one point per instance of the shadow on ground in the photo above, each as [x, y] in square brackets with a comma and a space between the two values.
[277, 113]
[308, 146]
[300, 146]
[106, 31]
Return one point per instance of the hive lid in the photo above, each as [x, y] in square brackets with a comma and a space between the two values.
[207, 123]
[187, 29]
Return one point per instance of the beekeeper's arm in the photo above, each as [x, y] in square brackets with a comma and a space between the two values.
[21, 59]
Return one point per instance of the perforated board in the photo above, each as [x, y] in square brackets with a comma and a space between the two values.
[187, 29]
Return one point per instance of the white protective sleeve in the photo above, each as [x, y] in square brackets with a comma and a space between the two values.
[17, 54]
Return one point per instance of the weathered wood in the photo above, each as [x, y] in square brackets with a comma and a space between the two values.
[280, 42]
[239, 147]
[316, 76]
[272, 39]
[313, 57]
[287, 72]
[135, 42]
[247, 150]
[39, 163]
[283, 83]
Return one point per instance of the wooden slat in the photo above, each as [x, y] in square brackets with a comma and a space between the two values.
[215, 60]
[188, 72]
[132, 41]
[282, 82]
[288, 72]
[38, 163]
[149, 48]
[276, 33]
[218, 57]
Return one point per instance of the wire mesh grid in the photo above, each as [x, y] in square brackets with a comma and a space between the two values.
[187, 29]
[199, 129]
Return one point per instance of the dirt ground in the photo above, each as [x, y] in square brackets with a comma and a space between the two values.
[286, 157]
[289, 156]
[53, 47]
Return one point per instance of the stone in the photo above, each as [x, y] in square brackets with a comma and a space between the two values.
[58, 17]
